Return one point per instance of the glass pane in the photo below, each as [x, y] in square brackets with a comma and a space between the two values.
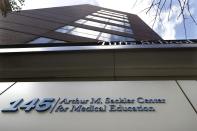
[116, 22]
[83, 34]
[104, 38]
[58, 41]
[110, 37]
[111, 12]
[97, 18]
[89, 16]
[126, 20]
[115, 28]
[101, 15]
[101, 19]
[96, 24]
[86, 31]
[117, 38]
[127, 24]
[81, 21]
[129, 39]
[106, 35]
[45, 40]
[41, 40]
[62, 30]
[68, 27]
[117, 18]
[129, 31]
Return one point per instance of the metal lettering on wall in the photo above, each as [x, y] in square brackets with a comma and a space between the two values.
[139, 104]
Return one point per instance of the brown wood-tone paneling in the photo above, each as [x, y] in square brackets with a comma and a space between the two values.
[22, 28]
[141, 30]
[8, 37]
[67, 37]
[44, 22]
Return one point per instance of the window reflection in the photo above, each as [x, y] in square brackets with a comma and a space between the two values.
[108, 20]
[79, 32]
[111, 37]
[107, 16]
[110, 17]
[65, 29]
[102, 25]
[90, 23]
[81, 21]
[115, 28]
[111, 12]
[68, 27]
[62, 30]
[94, 34]
[96, 24]
[86, 31]
[116, 22]
[83, 34]
[42, 40]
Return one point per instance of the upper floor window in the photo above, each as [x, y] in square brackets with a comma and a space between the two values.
[108, 20]
[79, 32]
[87, 33]
[90, 23]
[112, 14]
[111, 17]
[105, 26]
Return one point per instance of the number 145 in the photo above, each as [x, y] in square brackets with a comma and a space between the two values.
[37, 104]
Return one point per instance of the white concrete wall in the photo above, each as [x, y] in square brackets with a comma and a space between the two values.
[176, 114]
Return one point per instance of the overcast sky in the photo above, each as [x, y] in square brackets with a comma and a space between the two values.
[172, 29]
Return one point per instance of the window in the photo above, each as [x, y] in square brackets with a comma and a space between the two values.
[81, 21]
[101, 25]
[83, 34]
[65, 29]
[113, 15]
[107, 16]
[42, 40]
[79, 32]
[111, 37]
[97, 18]
[129, 31]
[96, 24]
[86, 33]
[120, 29]
[93, 34]
[62, 30]
[68, 27]
[111, 12]
[116, 22]
[91, 23]
[108, 20]
[116, 15]
[127, 24]
[115, 28]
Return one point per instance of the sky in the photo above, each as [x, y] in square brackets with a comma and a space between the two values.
[171, 27]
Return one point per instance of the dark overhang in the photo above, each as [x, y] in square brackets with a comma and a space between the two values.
[91, 46]
[99, 61]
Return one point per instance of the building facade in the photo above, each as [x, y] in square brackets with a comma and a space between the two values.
[81, 23]
[90, 68]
